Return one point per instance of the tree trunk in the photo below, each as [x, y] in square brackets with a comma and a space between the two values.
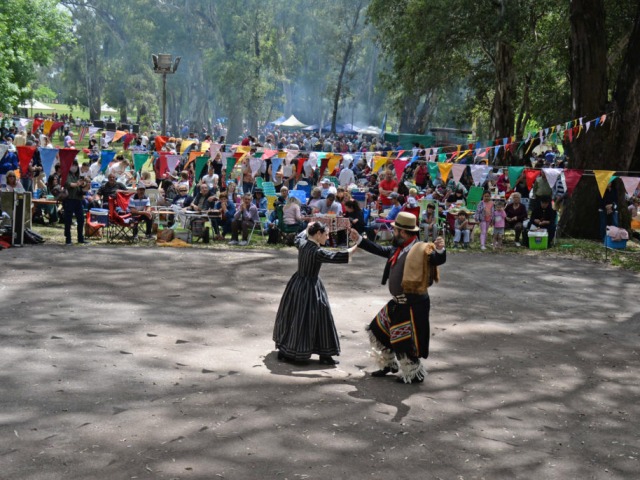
[199, 104]
[502, 113]
[255, 100]
[408, 113]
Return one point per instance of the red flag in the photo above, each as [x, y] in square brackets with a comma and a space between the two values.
[161, 167]
[127, 139]
[160, 141]
[323, 165]
[83, 132]
[54, 127]
[25, 154]
[572, 176]
[301, 165]
[67, 155]
[530, 175]
[36, 124]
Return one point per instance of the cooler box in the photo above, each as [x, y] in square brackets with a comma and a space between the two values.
[99, 215]
[615, 244]
[538, 240]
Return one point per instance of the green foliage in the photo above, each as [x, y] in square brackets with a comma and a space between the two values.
[30, 33]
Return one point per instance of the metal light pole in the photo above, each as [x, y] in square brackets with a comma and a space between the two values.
[164, 64]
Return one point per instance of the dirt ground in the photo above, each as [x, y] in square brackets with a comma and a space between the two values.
[155, 363]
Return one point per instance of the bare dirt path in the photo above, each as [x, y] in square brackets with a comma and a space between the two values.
[154, 363]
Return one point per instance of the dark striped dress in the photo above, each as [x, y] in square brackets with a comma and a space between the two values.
[304, 323]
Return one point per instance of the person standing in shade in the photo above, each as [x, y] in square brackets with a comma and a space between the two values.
[72, 205]
[304, 323]
[399, 334]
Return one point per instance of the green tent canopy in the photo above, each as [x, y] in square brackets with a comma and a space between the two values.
[407, 140]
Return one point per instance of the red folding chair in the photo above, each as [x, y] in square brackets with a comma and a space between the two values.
[121, 226]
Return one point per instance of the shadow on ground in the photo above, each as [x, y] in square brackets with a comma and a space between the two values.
[154, 363]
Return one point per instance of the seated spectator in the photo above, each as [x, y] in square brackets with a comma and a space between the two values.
[222, 215]
[462, 230]
[109, 189]
[355, 215]
[430, 222]
[244, 219]
[542, 217]
[148, 182]
[12, 184]
[329, 206]
[181, 201]
[516, 215]
[327, 187]
[232, 192]
[387, 186]
[634, 211]
[291, 215]
[315, 198]
[260, 201]
[456, 198]
[203, 201]
[140, 209]
[211, 179]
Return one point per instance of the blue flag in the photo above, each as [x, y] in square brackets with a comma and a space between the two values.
[48, 158]
[106, 157]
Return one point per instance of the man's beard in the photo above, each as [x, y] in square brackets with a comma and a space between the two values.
[397, 240]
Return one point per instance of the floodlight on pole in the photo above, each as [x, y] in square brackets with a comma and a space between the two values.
[164, 64]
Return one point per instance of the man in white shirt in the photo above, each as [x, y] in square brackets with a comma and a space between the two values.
[330, 206]
[346, 177]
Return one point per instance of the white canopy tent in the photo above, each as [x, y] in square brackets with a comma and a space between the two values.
[292, 122]
[108, 109]
[36, 105]
[370, 130]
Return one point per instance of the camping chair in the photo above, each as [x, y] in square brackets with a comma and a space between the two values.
[473, 197]
[334, 180]
[121, 226]
[440, 221]
[305, 187]
[287, 232]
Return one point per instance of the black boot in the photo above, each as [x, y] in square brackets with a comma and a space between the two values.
[327, 360]
[384, 371]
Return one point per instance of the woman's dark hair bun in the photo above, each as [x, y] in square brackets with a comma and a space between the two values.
[317, 227]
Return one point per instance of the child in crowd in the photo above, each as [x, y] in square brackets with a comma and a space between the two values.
[462, 230]
[499, 220]
[430, 222]
[484, 216]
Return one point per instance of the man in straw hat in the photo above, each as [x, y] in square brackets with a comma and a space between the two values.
[399, 334]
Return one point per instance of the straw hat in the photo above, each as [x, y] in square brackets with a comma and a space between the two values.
[406, 221]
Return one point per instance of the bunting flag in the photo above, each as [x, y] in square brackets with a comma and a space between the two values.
[479, 173]
[47, 127]
[214, 149]
[106, 157]
[399, 166]
[630, 184]
[139, 159]
[55, 126]
[571, 178]
[313, 160]
[127, 139]
[160, 142]
[201, 162]
[268, 154]
[323, 164]
[291, 154]
[231, 162]
[445, 168]
[602, 178]
[25, 154]
[275, 165]
[67, 155]
[186, 144]
[36, 124]
[47, 158]
[458, 170]
[530, 175]
[160, 166]
[433, 170]
[172, 162]
[254, 164]
[118, 135]
[3, 149]
[109, 136]
[300, 167]
[333, 163]
[204, 146]
[378, 162]
[514, 174]
[243, 149]
[552, 175]
[93, 131]
[83, 132]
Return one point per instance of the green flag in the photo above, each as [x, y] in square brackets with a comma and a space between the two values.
[201, 162]
[433, 170]
[231, 162]
[514, 175]
[442, 157]
[139, 159]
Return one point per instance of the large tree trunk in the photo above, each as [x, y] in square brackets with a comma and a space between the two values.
[408, 110]
[199, 101]
[595, 150]
[256, 98]
[502, 111]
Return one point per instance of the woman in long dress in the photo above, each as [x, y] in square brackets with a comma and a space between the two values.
[304, 323]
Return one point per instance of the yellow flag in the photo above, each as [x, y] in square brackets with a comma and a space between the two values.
[47, 127]
[445, 168]
[186, 144]
[458, 149]
[204, 146]
[603, 177]
[280, 154]
[333, 161]
[378, 162]
[243, 149]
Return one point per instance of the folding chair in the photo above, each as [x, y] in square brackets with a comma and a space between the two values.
[473, 197]
[287, 232]
[121, 226]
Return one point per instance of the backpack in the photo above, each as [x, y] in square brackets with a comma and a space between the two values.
[274, 235]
